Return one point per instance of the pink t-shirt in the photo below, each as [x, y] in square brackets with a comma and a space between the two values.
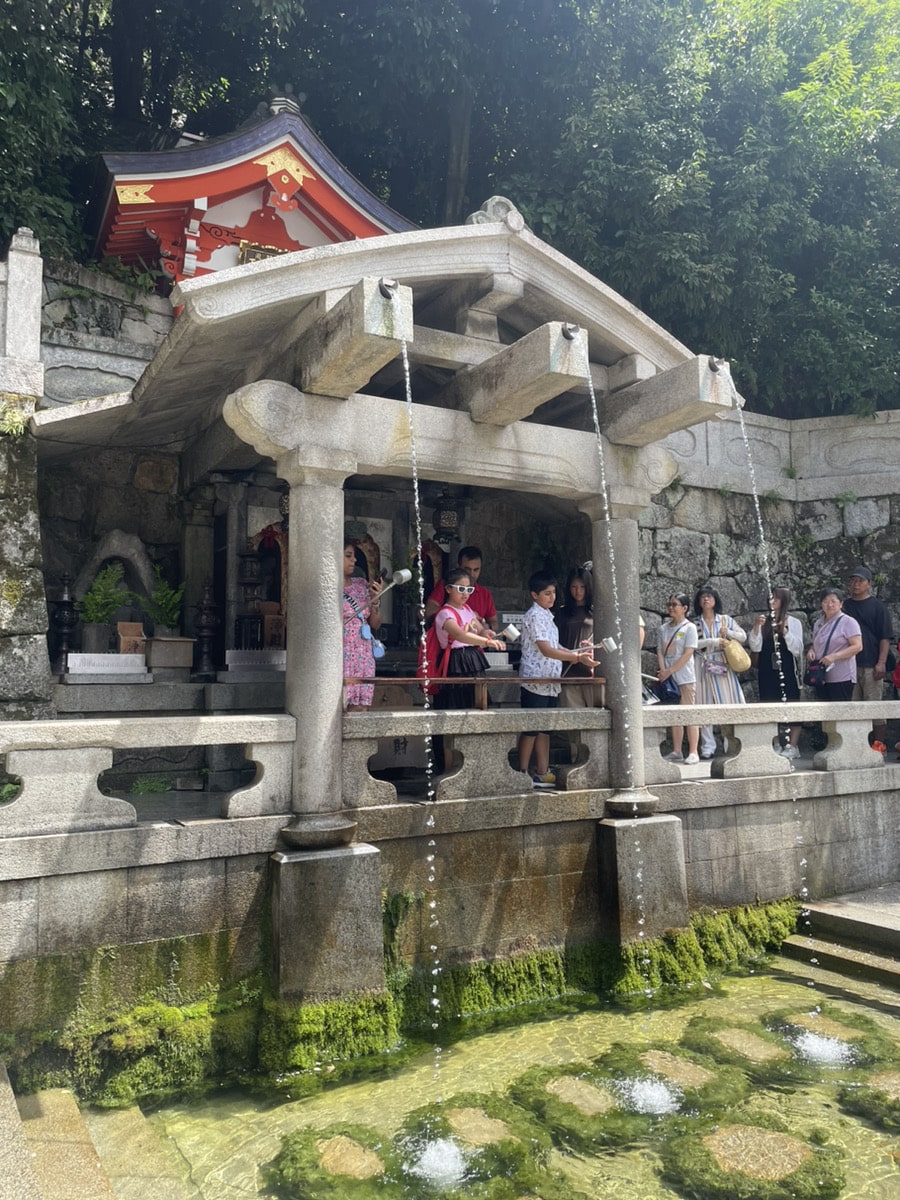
[462, 616]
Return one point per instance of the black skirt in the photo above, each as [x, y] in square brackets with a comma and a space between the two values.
[464, 660]
[771, 687]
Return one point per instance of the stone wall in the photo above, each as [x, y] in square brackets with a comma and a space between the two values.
[97, 334]
[25, 681]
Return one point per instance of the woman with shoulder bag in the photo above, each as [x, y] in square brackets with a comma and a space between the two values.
[717, 683]
[675, 646]
[831, 659]
[777, 640]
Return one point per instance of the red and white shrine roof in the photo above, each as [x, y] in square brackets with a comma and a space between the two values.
[267, 189]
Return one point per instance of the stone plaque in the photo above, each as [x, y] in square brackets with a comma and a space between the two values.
[107, 664]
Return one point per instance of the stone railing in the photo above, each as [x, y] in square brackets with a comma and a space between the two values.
[59, 763]
[482, 741]
[750, 729]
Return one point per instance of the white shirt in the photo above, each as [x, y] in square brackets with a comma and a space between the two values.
[539, 626]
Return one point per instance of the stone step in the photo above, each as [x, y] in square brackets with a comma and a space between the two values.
[843, 959]
[65, 1162]
[871, 921]
[140, 1165]
[17, 1177]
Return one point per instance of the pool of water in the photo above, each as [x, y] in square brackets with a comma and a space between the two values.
[225, 1142]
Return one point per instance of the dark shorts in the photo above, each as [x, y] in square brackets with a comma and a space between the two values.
[533, 700]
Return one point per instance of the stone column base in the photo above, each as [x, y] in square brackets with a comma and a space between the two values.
[326, 922]
[643, 884]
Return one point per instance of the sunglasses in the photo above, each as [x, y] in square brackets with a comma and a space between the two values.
[463, 589]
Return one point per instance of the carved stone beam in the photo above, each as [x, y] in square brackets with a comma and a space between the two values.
[346, 344]
[651, 409]
[519, 378]
[471, 306]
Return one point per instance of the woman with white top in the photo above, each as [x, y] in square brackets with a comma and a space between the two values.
[777, 641]
[716, 682]
[675, 646]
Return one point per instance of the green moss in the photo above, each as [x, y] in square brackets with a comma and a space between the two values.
[689, 1166]
[305, 1036]
[714, 943]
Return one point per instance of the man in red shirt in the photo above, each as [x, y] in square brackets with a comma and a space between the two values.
[481, 601]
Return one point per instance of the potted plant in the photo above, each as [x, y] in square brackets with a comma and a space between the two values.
[163, 605]
[97, 606]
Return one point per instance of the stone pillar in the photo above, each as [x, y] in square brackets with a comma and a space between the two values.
[617, 602]
[315, 670]
[234, 497]
[197, 551]
[25, 679]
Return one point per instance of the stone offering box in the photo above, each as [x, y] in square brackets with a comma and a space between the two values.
[170, 652]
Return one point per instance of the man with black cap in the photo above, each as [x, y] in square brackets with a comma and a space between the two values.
[877, 634]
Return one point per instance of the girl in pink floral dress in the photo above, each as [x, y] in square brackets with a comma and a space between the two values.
[361, 610]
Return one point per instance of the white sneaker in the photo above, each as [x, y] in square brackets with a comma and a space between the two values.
[790, 752]
[692, 758]
[674, 757]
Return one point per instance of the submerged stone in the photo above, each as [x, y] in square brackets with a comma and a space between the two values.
[887, 1082]
[589, 1099]
[474, 1126]
[826, 1026]
[754, 1048]
[341, 1155]
[676, 1069]
[759, 1153]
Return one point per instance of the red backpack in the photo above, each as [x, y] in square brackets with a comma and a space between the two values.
[433, 659]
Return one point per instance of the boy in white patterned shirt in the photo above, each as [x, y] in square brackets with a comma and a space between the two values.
[542, 657]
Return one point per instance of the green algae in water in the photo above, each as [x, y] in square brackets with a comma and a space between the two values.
[224, 1142]
[753, 1158]
[878, 1099]
[626, 1095]
[473, 1146]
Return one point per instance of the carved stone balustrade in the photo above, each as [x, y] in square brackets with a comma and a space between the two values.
[59, 763]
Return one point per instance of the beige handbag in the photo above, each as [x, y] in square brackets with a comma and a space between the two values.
[736, 656]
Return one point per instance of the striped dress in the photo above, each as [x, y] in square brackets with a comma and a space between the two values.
[714, 687]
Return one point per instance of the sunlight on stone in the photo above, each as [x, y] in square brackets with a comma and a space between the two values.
[675, 1069]
[759, 1153]
[816, 1023]
[476, 1127]
[887, 1082]
[588, 1099]
[342, 1156]
[751, 1046]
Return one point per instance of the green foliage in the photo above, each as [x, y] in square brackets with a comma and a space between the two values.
[10, 786]
[146, 785]
[38, 139]
[163, 605]
[14, 415]
[842, 499]
[104, 596]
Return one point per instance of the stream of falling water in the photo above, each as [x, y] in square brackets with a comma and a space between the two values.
[624, 731]
[802, 862]
[431, 855]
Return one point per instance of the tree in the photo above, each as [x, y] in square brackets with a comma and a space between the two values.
[37, 132]
[734, 173]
